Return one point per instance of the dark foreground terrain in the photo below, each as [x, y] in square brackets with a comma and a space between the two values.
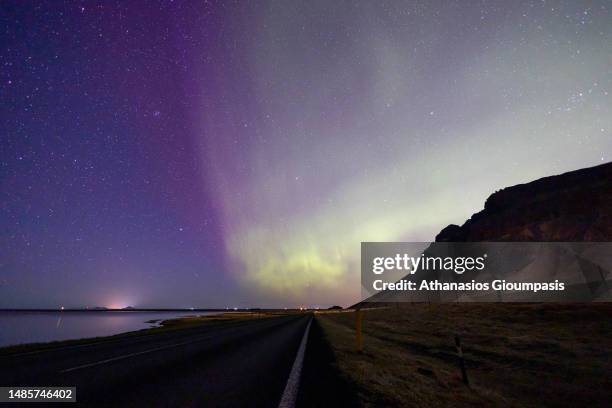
[237, 363]
[515, 354]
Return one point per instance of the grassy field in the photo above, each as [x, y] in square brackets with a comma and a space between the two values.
[188, 321]
[515, 354]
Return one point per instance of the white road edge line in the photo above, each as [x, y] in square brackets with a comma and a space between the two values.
[293, 382]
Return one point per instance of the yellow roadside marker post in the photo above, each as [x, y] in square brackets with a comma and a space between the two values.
[358, 327]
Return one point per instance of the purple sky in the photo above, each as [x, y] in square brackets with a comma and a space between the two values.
[221, 154]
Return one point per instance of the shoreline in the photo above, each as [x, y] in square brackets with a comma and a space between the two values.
[161, 326]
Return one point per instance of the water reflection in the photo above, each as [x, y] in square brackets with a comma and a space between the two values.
[34, 327]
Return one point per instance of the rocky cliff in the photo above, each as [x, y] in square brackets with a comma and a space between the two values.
[574, 206]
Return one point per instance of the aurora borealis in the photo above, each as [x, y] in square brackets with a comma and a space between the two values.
[221, 154]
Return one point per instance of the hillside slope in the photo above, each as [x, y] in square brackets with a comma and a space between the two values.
[574, 206]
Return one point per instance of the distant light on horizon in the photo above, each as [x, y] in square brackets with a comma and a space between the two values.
[120, 304]
[192, 170]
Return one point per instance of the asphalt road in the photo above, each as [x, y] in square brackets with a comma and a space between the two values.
[237, 364]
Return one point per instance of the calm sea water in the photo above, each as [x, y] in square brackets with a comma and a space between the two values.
[35, 327]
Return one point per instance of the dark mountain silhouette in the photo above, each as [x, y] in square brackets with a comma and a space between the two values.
[574, 206]
[571, 207]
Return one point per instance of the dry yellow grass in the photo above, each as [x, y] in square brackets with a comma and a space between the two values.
[516, 354]
[221, 317]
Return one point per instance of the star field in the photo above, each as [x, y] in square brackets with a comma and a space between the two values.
[221, 154]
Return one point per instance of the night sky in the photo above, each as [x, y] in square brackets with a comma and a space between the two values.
[221, 154]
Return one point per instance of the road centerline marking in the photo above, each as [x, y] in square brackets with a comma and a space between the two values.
[109, 360]
[122, 357]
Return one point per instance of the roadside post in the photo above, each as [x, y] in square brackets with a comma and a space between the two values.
[461, 361]
[358, 330]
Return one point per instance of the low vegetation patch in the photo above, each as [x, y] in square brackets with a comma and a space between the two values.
[514, 354]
